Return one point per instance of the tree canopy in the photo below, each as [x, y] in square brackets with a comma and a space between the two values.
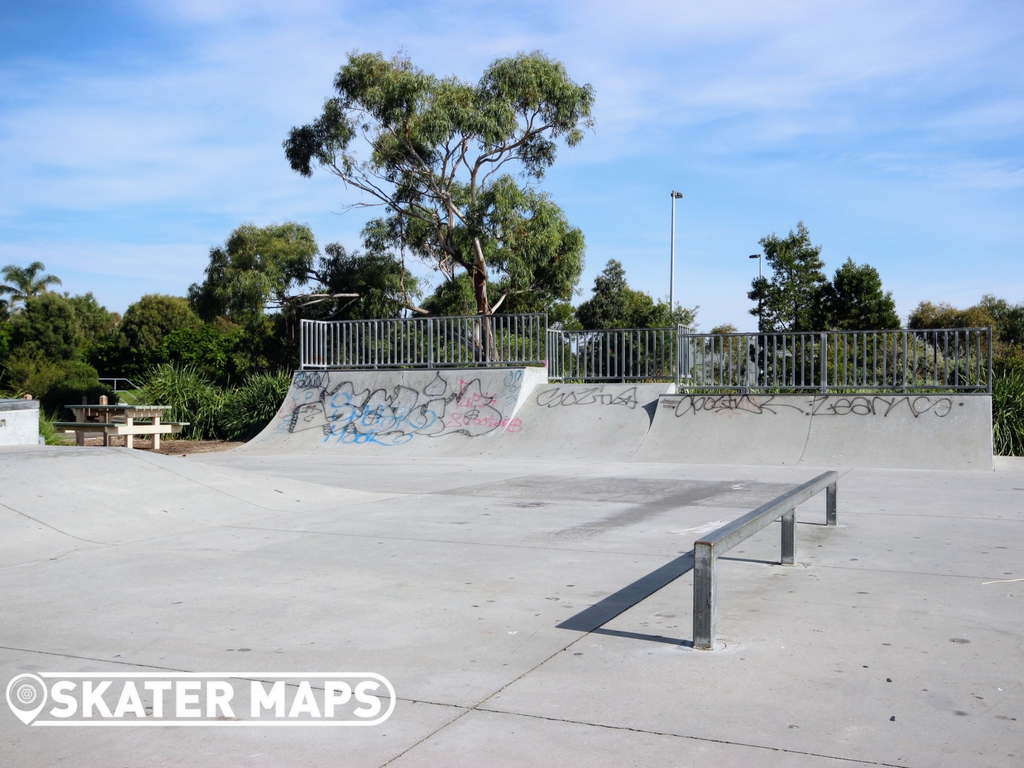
[257, 266]
[359, 285]
[789, 300]
[25, 282]
[854, 301]
[437, 153]
[48, 327]
[615, 305]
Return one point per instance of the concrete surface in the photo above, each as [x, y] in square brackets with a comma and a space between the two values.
[515, 606]
[933, 431]
[19, 422]
[603, 422]
[420, 413]
[515, 413]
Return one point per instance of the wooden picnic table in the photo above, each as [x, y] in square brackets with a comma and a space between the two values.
[127, 420]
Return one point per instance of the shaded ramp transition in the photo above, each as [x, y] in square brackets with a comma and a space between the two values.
[416, 412]
[933, 431]
[595, 422]
[515, 413]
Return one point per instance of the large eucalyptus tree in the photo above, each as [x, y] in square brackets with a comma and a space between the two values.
[453, 164]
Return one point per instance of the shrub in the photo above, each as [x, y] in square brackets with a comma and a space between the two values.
[48, 432]
[248, 409]
[192, 397]
[1008, 415]
[54, 383]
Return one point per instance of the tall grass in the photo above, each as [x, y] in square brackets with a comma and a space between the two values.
[49, 432]
[248, 409]
[214, 413]
[1008, 415]
[192, 398]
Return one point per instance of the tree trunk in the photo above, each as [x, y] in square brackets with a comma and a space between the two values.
[485, 331]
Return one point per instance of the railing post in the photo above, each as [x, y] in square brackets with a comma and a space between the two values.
[824, 363]
[704, 615]
[904, 361]
[789, 537]
[430, 342]
[988, 339]
[830, 504]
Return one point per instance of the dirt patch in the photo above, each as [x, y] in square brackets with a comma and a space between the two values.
[169, 447]
[191, 446]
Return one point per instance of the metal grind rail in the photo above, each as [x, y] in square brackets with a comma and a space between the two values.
[707, 550]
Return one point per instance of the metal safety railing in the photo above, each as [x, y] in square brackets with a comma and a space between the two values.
[952, 359]
[426, 342]
[622, 354]
[707, 550]
[118, 383]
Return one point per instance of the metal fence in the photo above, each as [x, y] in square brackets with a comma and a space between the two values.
[629, 354]
[955, 359]
[427, 342]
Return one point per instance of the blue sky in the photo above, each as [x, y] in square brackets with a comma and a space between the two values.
[136, 135]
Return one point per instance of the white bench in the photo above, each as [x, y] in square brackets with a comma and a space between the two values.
[114, 420]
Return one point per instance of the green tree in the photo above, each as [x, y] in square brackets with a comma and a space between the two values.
[615, 305]
[854, 301]
[256, 267]
[139, 341]
[26, 282]
[1007, 318]
[47, 327]
[148, 321]
[96, 322]
[437, 156]
[357, 285]
[942, 315]
[791, 299]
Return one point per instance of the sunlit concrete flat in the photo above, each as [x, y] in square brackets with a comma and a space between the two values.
[526, 611]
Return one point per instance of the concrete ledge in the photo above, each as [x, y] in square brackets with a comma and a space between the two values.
[907, 431]
[19, 405]
[19, 422]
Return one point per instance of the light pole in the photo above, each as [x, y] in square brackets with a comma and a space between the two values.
[758, 257]
[672, 258]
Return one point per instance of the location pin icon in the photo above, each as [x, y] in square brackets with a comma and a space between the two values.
[26, 696]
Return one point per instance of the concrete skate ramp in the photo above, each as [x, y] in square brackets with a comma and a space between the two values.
[394, 412]
[935, 431]
[595, 422]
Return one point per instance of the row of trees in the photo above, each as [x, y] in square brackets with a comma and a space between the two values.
[454, 166]
[798, 296]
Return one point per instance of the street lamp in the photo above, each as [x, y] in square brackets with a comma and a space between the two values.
[672, 257]
[758, 257]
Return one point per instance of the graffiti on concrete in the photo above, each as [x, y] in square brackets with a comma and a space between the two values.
[755, 404]
[878, 405]
[564, 397]
[819, 405]
[395, 416]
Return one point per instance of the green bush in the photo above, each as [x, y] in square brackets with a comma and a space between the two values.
[1008, 415]
[54, 383]
[248, 409]
[214, 413]
[192, 398]
[49, 432]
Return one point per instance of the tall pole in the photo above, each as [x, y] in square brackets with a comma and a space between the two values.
[672, 257]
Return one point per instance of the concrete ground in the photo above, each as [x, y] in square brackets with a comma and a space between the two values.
[527, 613]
